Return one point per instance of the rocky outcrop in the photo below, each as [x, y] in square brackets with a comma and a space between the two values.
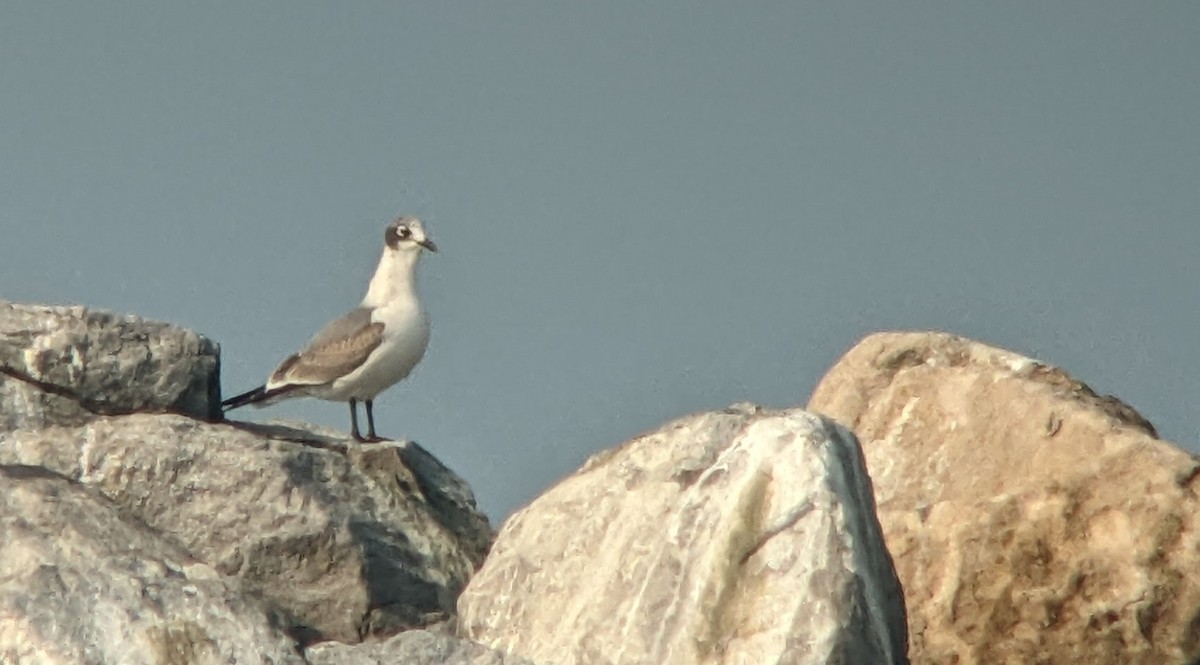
[332, 539]
[744, 536]
[81, 582]
[346, 540]
[414, 647]
[65, 365]
[1032, 520]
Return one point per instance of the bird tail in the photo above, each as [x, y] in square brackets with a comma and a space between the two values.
[259, 396]
[249, 397]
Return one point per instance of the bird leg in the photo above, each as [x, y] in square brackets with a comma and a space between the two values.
[354, 420]
[371, 435]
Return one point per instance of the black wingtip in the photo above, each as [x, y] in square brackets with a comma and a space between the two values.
[249, 397]
[255, 396]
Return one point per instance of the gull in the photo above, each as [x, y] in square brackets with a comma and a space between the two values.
[360, 354]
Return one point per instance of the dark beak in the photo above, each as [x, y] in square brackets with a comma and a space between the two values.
[428, 244]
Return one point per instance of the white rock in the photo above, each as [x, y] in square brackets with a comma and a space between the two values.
[742, 536]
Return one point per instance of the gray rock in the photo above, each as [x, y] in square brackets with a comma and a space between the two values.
[417, 647]
[82, 583]
[743, 536]
[346, 540]
[65, 365]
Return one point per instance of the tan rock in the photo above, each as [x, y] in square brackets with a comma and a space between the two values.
[1031, 520]
[743, 536]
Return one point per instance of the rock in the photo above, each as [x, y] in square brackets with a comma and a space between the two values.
[1032, 520]
[743, 536]
[81, 583]
[64, 365]
[343, 540]
[346, 540]
[415, 647]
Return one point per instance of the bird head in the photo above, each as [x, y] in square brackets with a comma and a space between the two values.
[406, 233]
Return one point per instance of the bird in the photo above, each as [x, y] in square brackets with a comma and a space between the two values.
[368, 349]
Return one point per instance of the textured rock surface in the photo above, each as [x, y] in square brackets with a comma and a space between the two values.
[64, 365]
[1032, 521]
[347, 540]
[740, 536]
[416, 647]
[342, 540]
[80, 583]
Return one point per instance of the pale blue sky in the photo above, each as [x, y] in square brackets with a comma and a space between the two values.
[644, 209]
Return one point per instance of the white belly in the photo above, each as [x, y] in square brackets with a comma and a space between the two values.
[405, 337]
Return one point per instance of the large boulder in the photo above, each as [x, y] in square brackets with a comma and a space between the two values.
[741, 536]
[1031, 519]
[80, 582]
[65, 365]
[346, 540]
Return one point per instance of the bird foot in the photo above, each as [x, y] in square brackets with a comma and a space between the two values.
[374, 438]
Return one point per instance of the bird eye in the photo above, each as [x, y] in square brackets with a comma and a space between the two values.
[404, 232]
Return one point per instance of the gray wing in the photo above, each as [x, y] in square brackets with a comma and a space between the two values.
[340, 328]
[336, 350]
